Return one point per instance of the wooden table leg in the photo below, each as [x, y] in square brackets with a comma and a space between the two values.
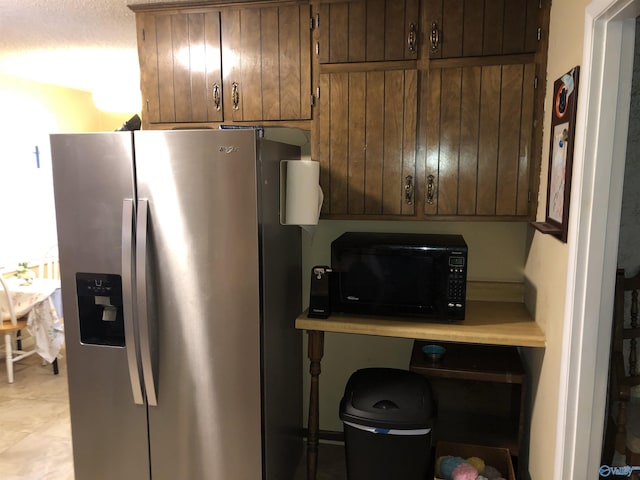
[315, 353]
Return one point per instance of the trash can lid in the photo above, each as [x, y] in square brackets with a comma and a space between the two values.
[388, 398]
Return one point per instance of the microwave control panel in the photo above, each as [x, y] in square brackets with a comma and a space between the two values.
[457, 282]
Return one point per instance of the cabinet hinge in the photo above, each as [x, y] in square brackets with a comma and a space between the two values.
[539, 34]
[529, 196]
[314, 22]
[313, 100]
[144, 35]
[535, 82]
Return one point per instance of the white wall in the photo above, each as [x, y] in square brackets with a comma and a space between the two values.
[30, 112]
[26, 190]
[546, 263]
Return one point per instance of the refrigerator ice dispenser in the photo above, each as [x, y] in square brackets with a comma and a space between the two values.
[100, 309]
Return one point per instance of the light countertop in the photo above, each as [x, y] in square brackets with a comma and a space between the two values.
[486, 322]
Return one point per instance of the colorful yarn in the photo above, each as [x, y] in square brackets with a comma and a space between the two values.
[436, 469]
[464, 471]
[448, 467]
[448, 464]
[476, 462]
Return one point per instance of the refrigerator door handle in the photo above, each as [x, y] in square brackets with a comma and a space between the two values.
[142, 297]
[127, 290]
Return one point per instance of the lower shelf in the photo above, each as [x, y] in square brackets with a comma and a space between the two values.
[480, 392]
[491, 431]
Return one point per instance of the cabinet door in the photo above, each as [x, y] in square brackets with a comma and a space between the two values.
[367, 142]
[266, 63]
[368, 31]
[470, 28]
[180, 66]
[478, 140]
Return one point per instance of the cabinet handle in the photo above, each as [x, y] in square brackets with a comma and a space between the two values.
[408, 190]
[412, 38]
[235, 94]
[430, 189]
[435, 36]
[216, 96]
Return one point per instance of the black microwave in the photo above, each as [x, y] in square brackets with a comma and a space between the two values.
[422, 275]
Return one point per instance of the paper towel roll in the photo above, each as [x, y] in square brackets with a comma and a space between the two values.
[303, 198]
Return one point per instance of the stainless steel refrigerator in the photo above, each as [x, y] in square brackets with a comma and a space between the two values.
[180, 291]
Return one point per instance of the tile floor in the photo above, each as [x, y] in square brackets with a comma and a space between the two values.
[35, 434]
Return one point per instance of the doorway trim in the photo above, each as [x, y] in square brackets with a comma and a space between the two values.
[601, 138]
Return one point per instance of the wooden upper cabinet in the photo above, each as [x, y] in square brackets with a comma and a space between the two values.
[478, 140]
[180, 70]
[471, 28]
[403, 130]
[367, 31]
[266, 61]
[225, 64]
[365, 132]
[367, 142]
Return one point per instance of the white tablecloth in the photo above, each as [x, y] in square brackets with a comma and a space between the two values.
[26, 296]
[36, 301]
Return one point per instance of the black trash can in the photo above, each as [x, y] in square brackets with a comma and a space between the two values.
[388, 415]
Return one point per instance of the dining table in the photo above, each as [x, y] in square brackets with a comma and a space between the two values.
[38, 300]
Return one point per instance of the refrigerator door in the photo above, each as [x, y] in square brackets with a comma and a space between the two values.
[92, 174]
[202, 306]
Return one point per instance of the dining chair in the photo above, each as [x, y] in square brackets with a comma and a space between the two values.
[622, 432]
[49, 266]
[10, 329]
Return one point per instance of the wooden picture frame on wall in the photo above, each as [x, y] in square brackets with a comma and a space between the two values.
[563, 126]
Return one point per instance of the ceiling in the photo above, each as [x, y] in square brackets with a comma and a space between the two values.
[85, 44]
